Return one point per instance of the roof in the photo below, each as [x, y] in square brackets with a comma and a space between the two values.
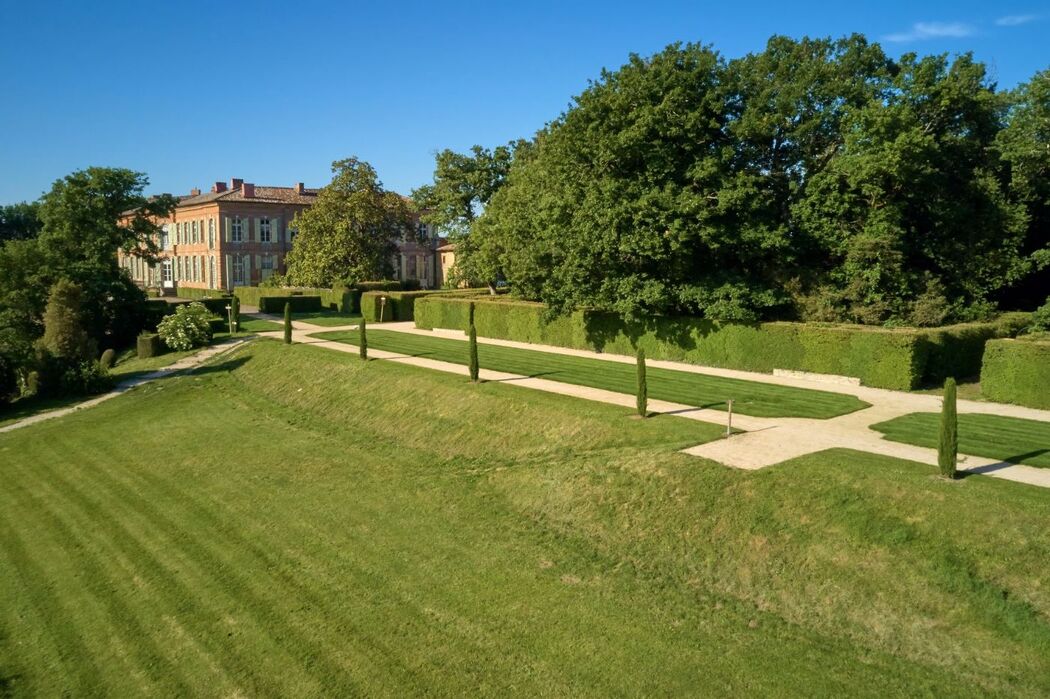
[446, 247]
[263, 194]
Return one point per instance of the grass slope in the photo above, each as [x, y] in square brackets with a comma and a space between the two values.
[1008, 438]
[392, 530]
[749, 397]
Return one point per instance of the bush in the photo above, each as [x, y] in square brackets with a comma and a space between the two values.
[298, 304]
[1040, 320]
[149, 345]
[64, 333]
[1017, 371]
[187, 328]
[195, 294]
[400, 305]
[948, 446]
[472, 336]
[287, 322]
[642, 399]
[107, 359]
[62, 376]
[362, 340]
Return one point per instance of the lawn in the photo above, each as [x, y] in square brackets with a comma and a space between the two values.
[1008, 438]
[749, 397]
[258, 325]
[327, 318]
[454, 539]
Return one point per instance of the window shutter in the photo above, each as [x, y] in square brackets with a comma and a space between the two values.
[258, 263]
[275, 230]
[246, 224]
[227, 270]
[226, 235]
[247, 270]
[258, 229]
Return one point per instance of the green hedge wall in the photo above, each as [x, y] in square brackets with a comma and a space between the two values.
[1017, 371]
[198, 294]
[150, 345]
[400, 305]
[300, 304]
[885, 358]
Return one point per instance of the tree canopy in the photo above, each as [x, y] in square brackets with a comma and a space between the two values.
[818, 179]
[348, 234]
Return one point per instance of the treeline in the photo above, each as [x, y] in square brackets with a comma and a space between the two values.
[64, 299]
[818, 179]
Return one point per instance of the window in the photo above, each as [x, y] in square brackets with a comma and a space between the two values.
[165, 238]
[196, 266]
[236, 229]
[266, 266]
[238, 271]
[178, 233]
[166, 271]
[211, 232]
[422, 228]
[411, 273]
[264, 230]
[211, 272]
[193, 232]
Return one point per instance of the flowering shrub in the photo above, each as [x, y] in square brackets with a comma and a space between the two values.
[186, 328]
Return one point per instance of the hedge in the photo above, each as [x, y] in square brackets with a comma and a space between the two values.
[885, 358]
[196, 294]
[299, 304]
[1017, 371]
[400, 305]
[150, 345]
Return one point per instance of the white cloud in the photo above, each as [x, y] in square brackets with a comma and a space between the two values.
[932, 30]
[1014, 20]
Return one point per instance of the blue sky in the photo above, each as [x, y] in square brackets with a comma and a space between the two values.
[191, 92]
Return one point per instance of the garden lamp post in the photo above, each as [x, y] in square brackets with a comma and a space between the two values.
[229, 312]
[382, 307]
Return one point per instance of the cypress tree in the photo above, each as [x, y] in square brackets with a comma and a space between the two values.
[235, 313]
[472, 334]
[287, 323]
[643, 387]
[948, 449]
[362, 340]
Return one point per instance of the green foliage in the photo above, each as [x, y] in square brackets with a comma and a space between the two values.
[298, 304]
[642, 396]
[362, 340]
[1040, 320]
[19, 221]
[349, 232]
[288, 322]
[473, 366]
[107, 359]
[64, 334]
[948, 445]
[235, 313]
[149, 345]
[1017, 371]
[769, 186]
[399, 305]
[187, 327]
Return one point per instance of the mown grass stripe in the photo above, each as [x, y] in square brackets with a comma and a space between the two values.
[701, 390]
[1011, 439]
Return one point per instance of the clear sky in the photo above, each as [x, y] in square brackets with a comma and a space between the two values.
[272, 93]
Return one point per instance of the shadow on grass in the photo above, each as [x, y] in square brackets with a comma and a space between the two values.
[1005, 463]
[226, 365]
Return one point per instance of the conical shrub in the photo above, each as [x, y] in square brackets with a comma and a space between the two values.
[643, 386]
[948, 449]
[362, 340]
[287, 323]
[472, 335]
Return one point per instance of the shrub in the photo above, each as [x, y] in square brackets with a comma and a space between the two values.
[187, 328]
[1041, 318]
[1017, 371]
[149, 345]
[362, 340]
[64, 333]
[948, 447]
[298, 304]
[642, 400]
[474, 367]
[63, 376]
[235, 314]
[287, 323]
[107, 359]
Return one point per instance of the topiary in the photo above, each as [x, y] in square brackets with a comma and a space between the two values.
[362, 341]
[472, 334]
[235, 312]
[186, 328]
[107, 358]
[287, 323]
[948, 448]
[642, 400]
[64, 333]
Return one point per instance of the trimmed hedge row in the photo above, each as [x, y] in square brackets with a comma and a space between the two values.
[400, 305]
[885, 358]
[299, 304]
[196, 294]
[340, 298]
[1017, 371]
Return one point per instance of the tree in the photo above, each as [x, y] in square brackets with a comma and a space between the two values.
[64, 333]
[348, 234]
[362, 340]
[472, 341]
[948, 449]
[642, 401]
[287, 323]
[19, 221]
[235, 312]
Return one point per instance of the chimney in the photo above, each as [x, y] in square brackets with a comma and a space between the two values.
[248, 190]
[218, 187]
[236, 182]
[300, 188]
[195, 192]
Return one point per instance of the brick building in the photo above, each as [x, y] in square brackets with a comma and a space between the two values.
[239, 234]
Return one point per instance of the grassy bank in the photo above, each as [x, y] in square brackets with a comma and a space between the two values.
[453, 539]
[1008, 438]
[749, 397]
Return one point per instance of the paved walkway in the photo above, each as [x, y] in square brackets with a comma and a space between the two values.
[124, 386]
[766, 441]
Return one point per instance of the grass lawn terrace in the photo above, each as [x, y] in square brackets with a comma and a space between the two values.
[1011, 439]
[424, 543]
[705, 391]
